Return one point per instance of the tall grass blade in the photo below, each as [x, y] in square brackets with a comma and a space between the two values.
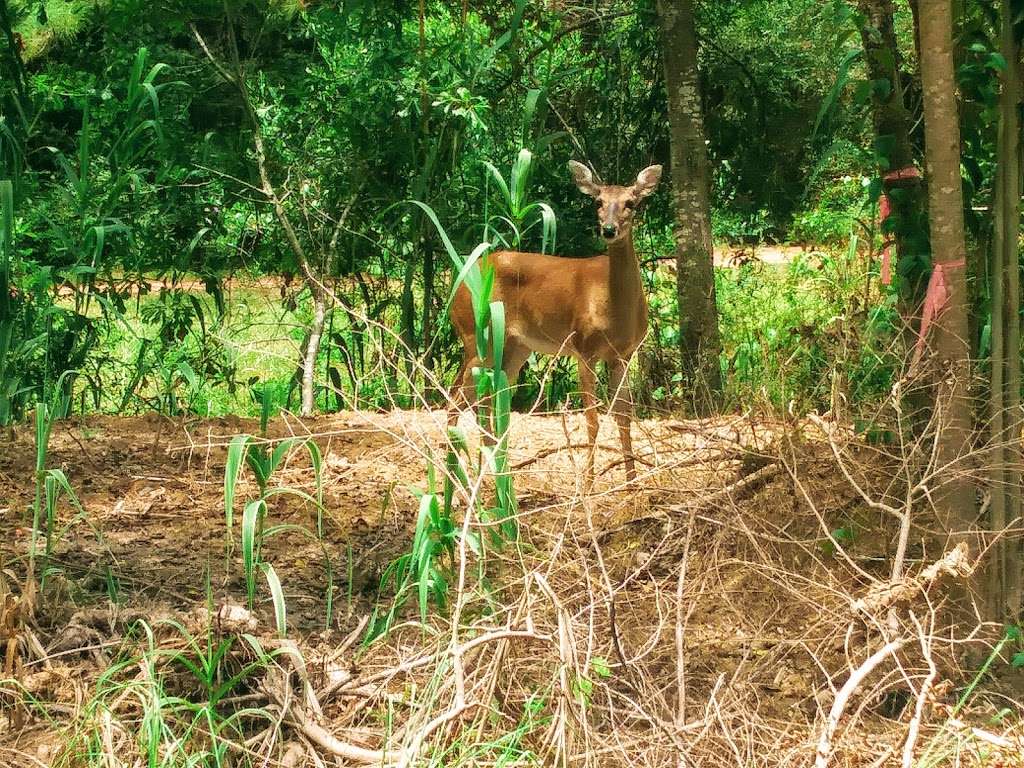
[232, 473]
[317, 460]
[277, 594]
[252, 519]
[6, 245]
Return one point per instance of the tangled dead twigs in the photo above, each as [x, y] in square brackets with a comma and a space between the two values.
[881, 597]
[719, 636]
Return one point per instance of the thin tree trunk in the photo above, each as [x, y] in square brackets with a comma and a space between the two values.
[953, 495]
[312, 280]
[997, 459]
[698, 312]
[1005, 575]
[316, 331]
[906, 228]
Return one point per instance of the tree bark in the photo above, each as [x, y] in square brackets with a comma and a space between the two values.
[893, 147]
[953, 498]
[695, 288]
[316, 332]
[1004, 397]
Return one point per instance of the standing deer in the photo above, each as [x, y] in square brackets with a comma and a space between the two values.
[592, 308]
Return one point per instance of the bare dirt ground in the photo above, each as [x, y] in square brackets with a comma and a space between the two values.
[704, 616]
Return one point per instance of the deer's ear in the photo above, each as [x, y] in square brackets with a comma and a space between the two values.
[584, 179]
[647, 181]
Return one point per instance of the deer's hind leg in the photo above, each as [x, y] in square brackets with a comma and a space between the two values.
[622, 411]
[462, 392]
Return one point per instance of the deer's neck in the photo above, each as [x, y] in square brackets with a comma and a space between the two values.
[625, 287]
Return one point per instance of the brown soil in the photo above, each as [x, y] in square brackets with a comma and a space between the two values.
[153, 489]
[768, 631]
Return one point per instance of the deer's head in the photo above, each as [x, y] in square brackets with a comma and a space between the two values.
[616, 206]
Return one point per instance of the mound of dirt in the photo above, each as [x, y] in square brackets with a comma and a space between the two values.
[708, 608]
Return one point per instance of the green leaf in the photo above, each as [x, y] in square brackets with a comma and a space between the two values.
[996, 61]
[232, 472]
[252, 517]
[277, 594]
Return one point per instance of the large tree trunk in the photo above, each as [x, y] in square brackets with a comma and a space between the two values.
[1004, 398]
[953, 496]
[906, 228]
[695, 288]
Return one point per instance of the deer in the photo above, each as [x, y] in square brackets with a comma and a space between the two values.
[593, 309]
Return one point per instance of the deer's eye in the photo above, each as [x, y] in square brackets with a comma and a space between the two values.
[630, 204]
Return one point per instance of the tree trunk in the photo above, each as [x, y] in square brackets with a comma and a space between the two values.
[1004, 397]
[893, 148]
[695, 288]
[316, 331]
[953, 494]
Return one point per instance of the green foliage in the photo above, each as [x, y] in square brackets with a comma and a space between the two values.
[788, 333]
[424, 571]
[141, 164]
[183, 688]
[50, 484]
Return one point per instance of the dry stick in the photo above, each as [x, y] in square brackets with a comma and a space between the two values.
[324, 739]
[743, 485]
[422, 661]
[630, 680]
[824, 526]
[567, 657]
[922, 695]
[842, 698]
[680, 626]
[873, 503]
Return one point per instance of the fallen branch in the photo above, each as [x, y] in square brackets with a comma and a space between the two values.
[956, 564]
[746, 485]
[327, 741]
[922, 696]
[843, 697]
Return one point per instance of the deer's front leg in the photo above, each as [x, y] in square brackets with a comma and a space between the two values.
[622, 410]
[588, 384]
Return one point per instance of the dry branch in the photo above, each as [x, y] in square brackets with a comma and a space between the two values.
[743, 487]
[956, 564]
[843, 697]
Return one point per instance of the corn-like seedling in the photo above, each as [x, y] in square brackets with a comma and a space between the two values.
[182, 707]
[421, 571]
[519, 214]
[436, 535]
[244, 450]
[49, 483]
[263, 461]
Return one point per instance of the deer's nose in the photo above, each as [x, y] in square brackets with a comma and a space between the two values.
[608, 230]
